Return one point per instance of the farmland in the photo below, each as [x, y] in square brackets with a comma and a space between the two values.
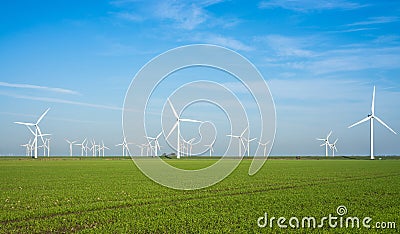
[112, 195]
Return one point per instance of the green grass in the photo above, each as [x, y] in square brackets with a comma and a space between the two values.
[100, 195]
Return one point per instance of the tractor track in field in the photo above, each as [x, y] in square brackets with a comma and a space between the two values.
[210, 194]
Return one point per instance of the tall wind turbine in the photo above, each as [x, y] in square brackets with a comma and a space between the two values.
[70, 146]
[265, 146]
[210, 148]
[326, 143]
[37, 131]
[177, 126]
[83, 147]
[156, 144]
[248, 145]
[28, 147]
[240, 139]
[333, 147]
[371, 118]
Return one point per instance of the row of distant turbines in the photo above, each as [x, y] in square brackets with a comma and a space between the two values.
[184, 147]
[371, 117]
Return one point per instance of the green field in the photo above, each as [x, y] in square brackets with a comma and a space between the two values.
[105, 195]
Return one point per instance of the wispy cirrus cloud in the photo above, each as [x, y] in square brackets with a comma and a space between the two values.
[186, 15]
[229, 42]
[376, 20]
[285, 46]
[310, 5]
[62, 101]
[309, 55]
[38, 87]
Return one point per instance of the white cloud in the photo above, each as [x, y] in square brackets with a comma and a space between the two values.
[376, 20]
[45, 88]
[313, 54]
[226, 41]
[355, 60]
[289, 46]
[186, 15]
[62, 101]
[310, 5]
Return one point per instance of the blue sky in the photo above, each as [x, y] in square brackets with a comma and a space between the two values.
[320, 59]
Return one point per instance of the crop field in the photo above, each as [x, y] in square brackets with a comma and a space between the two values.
[111, 195]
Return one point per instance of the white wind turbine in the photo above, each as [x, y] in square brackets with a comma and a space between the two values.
[333, 147]
[371, 118]
[48, 147]
[70, 146]
[102, 148]
[265, 146]
[210, 148]
[37, 131]
[177, 125]
[326, 143]
[141, 148]
[83, 147]
[190, 146]
[28, 147]
[156, 146]
[248, 145]
[124, 146]
[240, 139]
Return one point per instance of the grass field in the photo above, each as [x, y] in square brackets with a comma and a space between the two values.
[104, 195]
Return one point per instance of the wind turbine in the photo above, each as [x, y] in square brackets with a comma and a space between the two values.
[210, 148]
[93, 148]
[83, 148]
[190, 146]
[156, 144]
[240, 139]
[48, 147]
[103, 147]
[37, 131]
[177, 125]
[371, 118]
[265, 146]
[70, 146]
[28, 147]
[326, 143]
[141, 149]
[248, 145]
[333, 147]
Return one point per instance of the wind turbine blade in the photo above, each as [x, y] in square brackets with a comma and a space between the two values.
[173, 109]
[383, 123]
[361, 121]
[330, 133]
[244, 131]
[27, 124]
[30, 129]
[320, 139]
[41, 117]
[191, 120]
[159, 135]
[335, 141]
[233, 136]
[40, 133]
[373, 102]
[173, 128]
[323, 144]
